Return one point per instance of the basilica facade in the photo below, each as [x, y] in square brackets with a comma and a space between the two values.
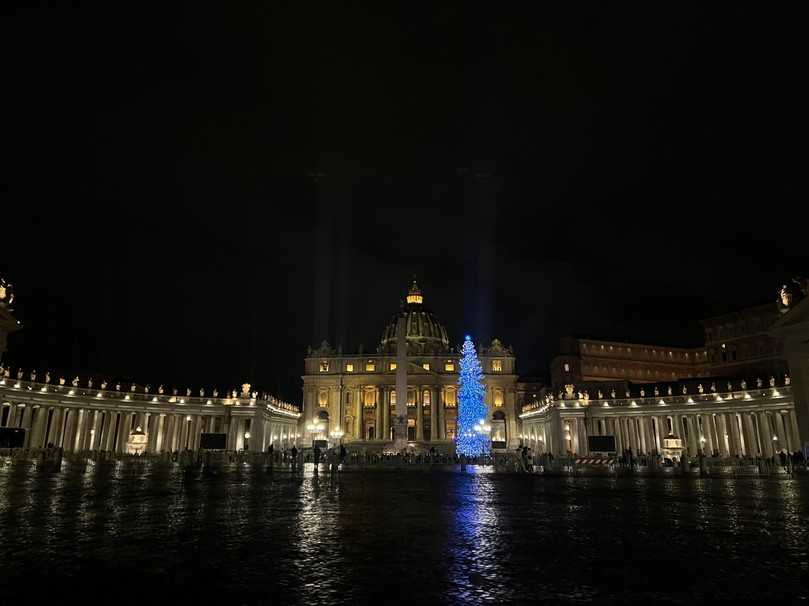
[352, 396]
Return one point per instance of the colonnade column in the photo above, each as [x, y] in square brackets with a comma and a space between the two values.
[26, 423]
[765, 434]
[37, 434]
[750, 438]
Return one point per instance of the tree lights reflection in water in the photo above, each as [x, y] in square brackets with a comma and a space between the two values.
[136, 532]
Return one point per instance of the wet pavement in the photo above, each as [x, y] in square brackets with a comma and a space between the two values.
[137, 532]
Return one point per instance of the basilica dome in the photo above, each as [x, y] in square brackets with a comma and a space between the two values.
[425, 333]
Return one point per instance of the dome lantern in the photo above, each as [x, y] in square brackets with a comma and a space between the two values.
[414, 297]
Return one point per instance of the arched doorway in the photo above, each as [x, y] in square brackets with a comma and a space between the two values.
[499, 434]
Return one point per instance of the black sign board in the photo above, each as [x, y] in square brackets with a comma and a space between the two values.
[496, 445]
[12, 437]
[601, 443]
[213, 441]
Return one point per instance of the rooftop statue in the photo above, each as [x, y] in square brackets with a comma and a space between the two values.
[47, 377]
[75, 382]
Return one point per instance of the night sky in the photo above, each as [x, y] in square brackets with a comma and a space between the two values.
[612, 172]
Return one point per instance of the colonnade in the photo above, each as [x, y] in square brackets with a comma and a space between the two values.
[763, 432]
[78, 428]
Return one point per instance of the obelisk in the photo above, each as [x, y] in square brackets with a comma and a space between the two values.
[400, 420]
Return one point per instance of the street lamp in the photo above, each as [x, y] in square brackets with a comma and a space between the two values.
[315, 428]
[337, 434]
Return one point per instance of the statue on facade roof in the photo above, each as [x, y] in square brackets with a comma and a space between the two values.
[133, 388]
[117, 387]
[245, 389]
[743, 384]
[669, 390]
[642, 392]
[61, 380]
[47, 376]
[730, 386]
[787, 380]
[19, 374]
[772, 381]
[160, 390]
[657, 391]
[201, 392]
[759, 382]
[600, 395]
[188, 392]
[612, 393]
[713, 387]
[685, 390]
[33, 376]
[103, 384]
[700, 388]
[75, 382]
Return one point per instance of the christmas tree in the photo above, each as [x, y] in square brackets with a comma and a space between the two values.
[471, 407]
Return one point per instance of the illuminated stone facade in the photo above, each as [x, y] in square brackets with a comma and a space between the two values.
[745, 421]
[353, 396]
[91, 418]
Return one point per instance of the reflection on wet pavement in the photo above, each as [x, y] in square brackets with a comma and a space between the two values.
[139, 532]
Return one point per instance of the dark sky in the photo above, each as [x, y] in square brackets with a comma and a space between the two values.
[612, 172]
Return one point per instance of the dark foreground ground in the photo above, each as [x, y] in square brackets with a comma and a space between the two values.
[152, 534]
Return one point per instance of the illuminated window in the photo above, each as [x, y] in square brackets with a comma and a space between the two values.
[497, 365]
[369, 398]
[498, 397]
[393, 396]
[348, 397]
[411, 397]
[324, 366]
[449, 366]
[426, 366]
[323, 399]
[425, 397]
[411, 422]
[567, 367]
[392, 366]
[370, 366]
[349, 367]
[449, 397]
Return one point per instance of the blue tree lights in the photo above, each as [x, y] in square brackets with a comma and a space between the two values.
[471, 407]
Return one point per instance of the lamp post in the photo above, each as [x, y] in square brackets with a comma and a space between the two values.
[246, 440]
[315, 428]
[337, 435]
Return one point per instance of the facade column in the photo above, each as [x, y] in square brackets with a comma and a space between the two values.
[435, 405]
[358, 404]
[419, 413]
[378, 413]
[442, 426]
[386, 413]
